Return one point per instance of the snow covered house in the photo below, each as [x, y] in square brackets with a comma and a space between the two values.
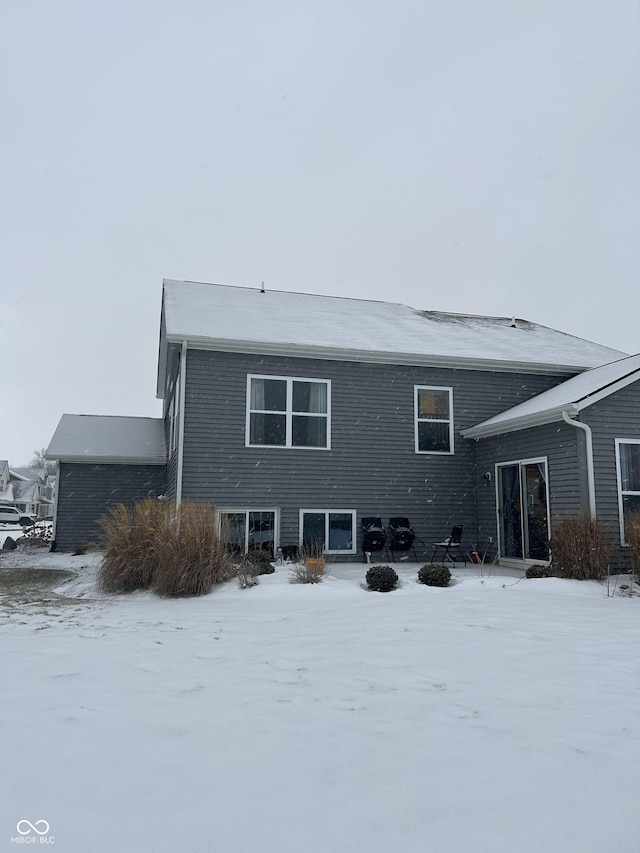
[27, 489]
[299, 415]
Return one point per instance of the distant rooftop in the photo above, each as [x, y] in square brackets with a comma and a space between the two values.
[108, 438]
[242, 319]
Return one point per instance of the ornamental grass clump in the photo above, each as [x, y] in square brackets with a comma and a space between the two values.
[132, 537]
[434, 575]
[581, 549]
[172, 550]
[382, 578]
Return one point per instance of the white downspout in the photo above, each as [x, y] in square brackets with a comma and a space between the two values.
[591, 480]
[183, 376]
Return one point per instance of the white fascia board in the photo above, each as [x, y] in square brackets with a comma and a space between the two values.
[110, 460]
[608, 390]
[162, 356]
[279, 348]
[525, 422]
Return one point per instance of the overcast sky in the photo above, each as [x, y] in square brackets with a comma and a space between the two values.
[477, 157]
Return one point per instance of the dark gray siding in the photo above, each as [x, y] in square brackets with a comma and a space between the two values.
[372, 466]
[86, 491]
[561, 445]
[617, 416]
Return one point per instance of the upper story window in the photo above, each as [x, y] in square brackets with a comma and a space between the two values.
[288, 412]
[628, 461]
[433, 419]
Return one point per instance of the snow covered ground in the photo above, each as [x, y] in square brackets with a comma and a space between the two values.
[496, 716]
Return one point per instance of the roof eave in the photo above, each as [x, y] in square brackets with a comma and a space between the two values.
[279, 348]
[524, 422]
[108, 460]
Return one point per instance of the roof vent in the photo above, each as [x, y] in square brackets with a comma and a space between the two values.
[513, 323]
[262, 288]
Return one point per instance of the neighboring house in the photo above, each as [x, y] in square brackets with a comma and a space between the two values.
[33, 492]
[298, 415]
[6, 491]
[27, 489]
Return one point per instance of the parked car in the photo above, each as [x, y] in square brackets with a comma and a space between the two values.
[10, 515]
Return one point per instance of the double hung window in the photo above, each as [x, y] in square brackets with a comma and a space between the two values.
[288, 412]
[628, 463]
[433, 419]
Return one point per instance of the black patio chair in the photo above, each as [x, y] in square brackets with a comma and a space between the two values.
[374, 537]
[402, 537]
[449, 546]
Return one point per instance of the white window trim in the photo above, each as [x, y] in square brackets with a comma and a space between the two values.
[327, 512]
[289, 412]
[449, 420]
[506, 561]
[618, 442]
[220, 511]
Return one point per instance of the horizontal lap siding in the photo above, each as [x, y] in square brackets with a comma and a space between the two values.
[617, 416]
[372, 466]
[561, 444]
[86, 492]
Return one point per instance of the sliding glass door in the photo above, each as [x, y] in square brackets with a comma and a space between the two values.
[523, 510]
[248, 530]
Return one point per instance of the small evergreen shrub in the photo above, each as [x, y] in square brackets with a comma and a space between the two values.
[581, 549]
[539, 572]
[434, 575]
[381, 578]
[261, 560]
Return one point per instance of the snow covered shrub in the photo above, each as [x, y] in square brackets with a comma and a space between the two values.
[539, 572]
[261, 560]
[37, 536]
[247, 574]
[434, 575]
[580, 549]
[154, 545]
[381, 578]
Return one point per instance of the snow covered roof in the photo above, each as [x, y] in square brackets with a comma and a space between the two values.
[7, 495]
[108, 438]
[242, 319]
[570, 396]
[25, 491]
[28, 473]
